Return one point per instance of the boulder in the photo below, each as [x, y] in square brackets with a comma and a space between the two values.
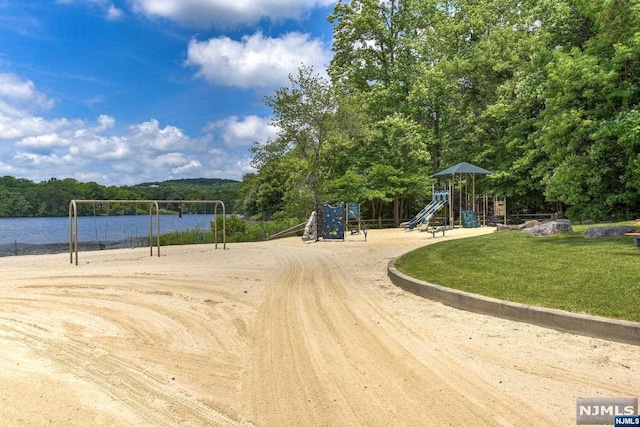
[531, 223]
[551, 227]
[613, 231]
[503, 227]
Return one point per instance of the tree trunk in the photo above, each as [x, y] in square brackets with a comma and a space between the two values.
[396, 210]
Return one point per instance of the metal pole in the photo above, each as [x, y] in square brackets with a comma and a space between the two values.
[460, 208]
[505, 210]
[73, 221]
[150, 230]
[473, 190]
[224, 227]
[451, 224]
[157, 226]
[70, 233]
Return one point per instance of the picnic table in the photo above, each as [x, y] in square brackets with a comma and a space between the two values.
[636, 238]
[434, 230]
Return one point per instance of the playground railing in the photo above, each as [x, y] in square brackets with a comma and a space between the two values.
[288, 232]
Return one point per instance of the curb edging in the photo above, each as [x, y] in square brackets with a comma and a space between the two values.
[581, 324]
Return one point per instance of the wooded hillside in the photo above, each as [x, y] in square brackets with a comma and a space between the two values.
[24, 198]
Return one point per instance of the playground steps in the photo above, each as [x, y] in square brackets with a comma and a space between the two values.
[469, 220]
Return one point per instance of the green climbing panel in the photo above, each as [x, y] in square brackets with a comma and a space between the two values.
[334, 222]
[469, 220]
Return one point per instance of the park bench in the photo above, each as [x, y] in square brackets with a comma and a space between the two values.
[435, 230]
[636, 238]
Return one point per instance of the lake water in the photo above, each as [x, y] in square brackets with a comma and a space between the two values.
[40, 231]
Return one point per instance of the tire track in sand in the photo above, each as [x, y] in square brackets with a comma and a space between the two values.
[152, 399]
[321, 357]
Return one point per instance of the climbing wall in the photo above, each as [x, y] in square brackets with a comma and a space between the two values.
[469, 220]
[333, 222]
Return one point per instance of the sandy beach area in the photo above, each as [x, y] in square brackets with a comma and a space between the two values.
[277, 333]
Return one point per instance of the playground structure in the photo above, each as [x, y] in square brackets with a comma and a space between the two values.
[354, 223]
[332, 222]
[463, 205]
[153, 207]
[311, 228]
[469, 206]
[422, 219]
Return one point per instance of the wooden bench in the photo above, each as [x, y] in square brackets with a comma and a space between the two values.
[636, 238]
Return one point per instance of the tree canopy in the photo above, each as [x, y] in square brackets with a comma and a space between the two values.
[544, 92]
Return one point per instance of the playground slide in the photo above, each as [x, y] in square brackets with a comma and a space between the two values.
[425, 214]
[427, 218]
[413, 222]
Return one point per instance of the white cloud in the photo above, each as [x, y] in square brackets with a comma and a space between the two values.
[90, 146]
[42, 143]
[226, 13]
[256, 61]
[148, 135]
[6, 169]
[142, 152]
[22, 125]
[22, 93]
[113, 13]
[38, 148]
[177, 163]
[223, 14]
[19, 100]
[238, 132]
[45, 161]
[220, 164]
[105, 122]
[244, 165]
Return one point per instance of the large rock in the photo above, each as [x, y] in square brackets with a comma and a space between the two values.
[551, 227]
[613, 231]
[503, 227]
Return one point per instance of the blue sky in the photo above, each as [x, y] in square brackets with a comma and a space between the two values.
[131, 91]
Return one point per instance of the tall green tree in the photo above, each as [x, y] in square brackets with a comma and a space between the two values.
[305, 115]
[375, 58]
[587, 128]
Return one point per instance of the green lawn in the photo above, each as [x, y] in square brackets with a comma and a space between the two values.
[599, 276]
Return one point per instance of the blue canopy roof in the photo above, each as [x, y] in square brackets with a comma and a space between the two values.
[463, 167]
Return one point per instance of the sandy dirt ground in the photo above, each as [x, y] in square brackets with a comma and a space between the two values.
[277, 333]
